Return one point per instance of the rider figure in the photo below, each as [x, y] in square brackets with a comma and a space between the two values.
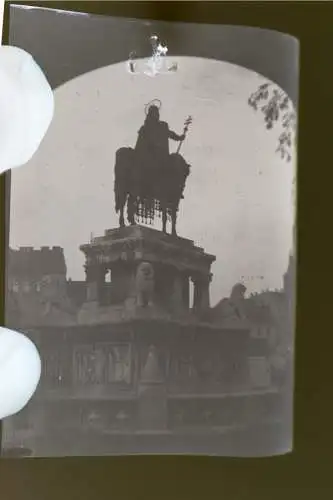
[152, 146]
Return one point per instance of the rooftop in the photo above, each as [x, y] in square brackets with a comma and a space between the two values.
[32, 263]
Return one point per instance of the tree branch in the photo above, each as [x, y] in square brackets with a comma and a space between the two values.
[277, 108]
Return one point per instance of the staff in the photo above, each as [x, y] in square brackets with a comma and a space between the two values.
[188, 122]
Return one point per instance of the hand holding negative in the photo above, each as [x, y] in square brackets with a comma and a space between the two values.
[26, 111]
[26, 107]
[20, 369]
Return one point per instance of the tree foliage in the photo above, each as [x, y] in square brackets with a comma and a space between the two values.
[277, 108]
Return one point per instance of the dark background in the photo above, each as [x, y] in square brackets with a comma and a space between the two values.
[75, 44]
[308, 471]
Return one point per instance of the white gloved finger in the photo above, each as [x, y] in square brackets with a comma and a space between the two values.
[26, 107]
[20, 370]
[26, 111]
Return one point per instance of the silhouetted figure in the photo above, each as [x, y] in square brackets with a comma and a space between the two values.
[152, 146]
[148, 178]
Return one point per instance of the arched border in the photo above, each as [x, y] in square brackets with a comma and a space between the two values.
[78, 43]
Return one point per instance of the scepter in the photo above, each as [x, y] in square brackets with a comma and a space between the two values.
[187, 123]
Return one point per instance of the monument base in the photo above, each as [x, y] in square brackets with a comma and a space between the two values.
[151, 275]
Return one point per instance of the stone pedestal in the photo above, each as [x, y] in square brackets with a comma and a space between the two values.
[152, 395]
[174, 262]
[179, 302]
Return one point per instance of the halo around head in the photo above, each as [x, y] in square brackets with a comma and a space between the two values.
[155, 102]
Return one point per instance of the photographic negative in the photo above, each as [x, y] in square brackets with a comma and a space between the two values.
[151, 239]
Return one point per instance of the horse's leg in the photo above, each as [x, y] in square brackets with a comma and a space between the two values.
[164, 218]
[121, 215]
[174, 221]
[131, 209]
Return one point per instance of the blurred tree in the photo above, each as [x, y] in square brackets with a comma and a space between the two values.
[277, 109]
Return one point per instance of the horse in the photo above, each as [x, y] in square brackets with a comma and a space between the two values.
[145, 192]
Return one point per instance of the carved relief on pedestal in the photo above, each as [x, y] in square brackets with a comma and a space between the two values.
[205, 367]
[152, 369]
[102, 364]
[150, 274]
[152, 405]
[52, 369]
[145, 284]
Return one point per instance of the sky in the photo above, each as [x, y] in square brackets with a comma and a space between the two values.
[238, 198]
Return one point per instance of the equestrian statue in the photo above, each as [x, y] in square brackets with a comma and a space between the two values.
[148, 178]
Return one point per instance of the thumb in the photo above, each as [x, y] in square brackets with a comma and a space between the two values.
[20, 370]
[26, 107]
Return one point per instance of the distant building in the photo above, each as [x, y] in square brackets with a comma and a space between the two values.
[255, 315]
[27, 266]
[37, 288]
